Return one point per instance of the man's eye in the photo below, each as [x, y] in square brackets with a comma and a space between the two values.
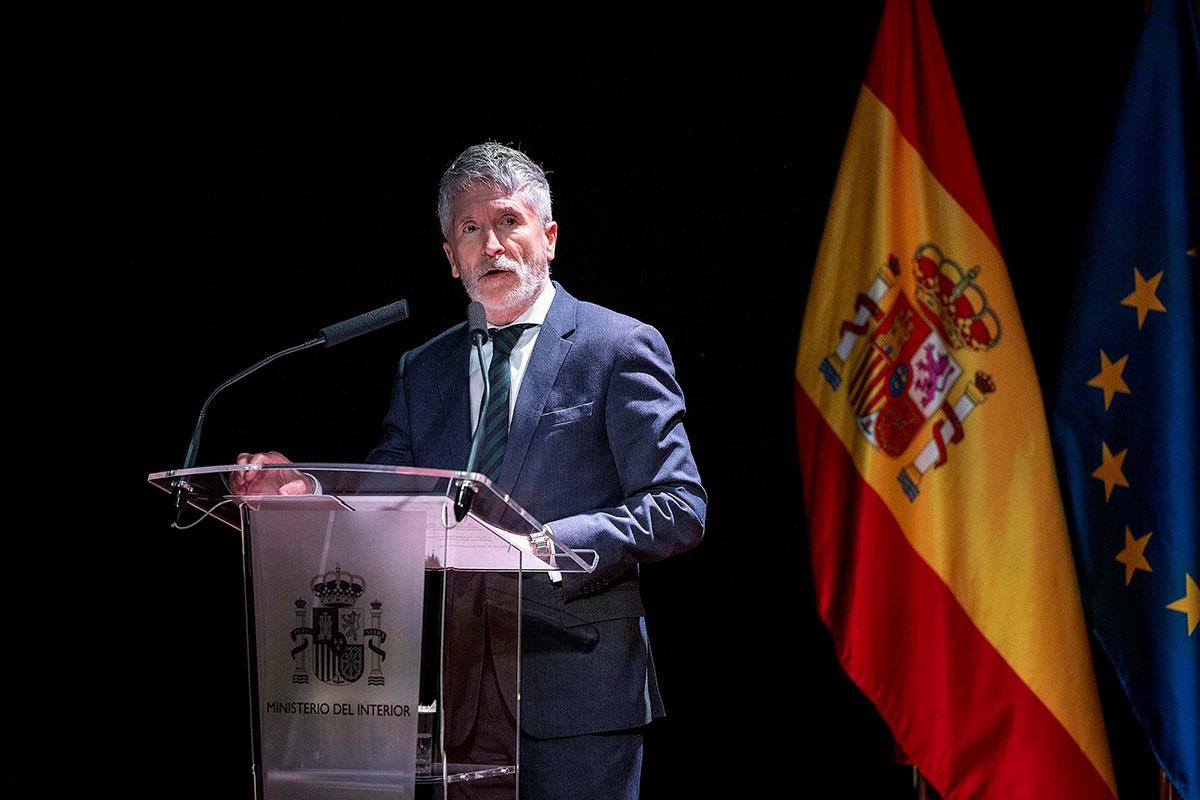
[510, 220]
[470, 227]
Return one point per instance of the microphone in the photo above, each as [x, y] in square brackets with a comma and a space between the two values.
[478, 331]
[329, 336]
[366, 323]
[477, 323]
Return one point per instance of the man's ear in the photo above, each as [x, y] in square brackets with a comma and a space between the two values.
[551, 236]
[450, 257]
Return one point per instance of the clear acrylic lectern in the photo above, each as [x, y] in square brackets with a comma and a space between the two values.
[383, 637]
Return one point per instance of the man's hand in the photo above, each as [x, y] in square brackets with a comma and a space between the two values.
[269, 481]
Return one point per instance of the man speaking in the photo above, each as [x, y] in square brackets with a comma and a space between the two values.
[584, 428]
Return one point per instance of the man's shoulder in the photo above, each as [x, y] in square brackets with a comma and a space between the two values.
[606, 317]
[440, 348]
[605, 334]
[594, 321]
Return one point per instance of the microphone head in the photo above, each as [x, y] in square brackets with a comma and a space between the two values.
[477, 322]
[365, 323]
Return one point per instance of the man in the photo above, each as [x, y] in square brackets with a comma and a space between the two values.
[595, 447]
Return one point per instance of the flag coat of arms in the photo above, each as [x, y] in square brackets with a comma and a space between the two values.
[940, 553]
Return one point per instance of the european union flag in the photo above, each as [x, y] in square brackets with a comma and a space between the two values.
[1125, 413]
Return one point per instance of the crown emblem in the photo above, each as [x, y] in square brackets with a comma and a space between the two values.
[337, 588]
[955, 299]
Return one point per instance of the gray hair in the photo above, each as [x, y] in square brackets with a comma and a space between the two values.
[494, 164]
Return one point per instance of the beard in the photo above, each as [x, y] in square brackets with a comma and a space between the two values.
[530, 277]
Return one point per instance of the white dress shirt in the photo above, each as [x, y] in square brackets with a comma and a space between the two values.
[517, 362]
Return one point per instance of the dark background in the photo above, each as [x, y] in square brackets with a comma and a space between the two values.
[221, 207]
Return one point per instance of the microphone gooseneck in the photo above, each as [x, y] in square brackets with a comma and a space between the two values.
[477, 330]
[329, 336]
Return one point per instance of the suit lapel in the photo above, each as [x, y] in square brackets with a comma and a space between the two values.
[549, 352]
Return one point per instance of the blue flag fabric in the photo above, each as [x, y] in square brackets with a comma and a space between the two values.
[1125, 413]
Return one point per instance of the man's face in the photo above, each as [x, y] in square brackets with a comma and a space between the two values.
[499, 248]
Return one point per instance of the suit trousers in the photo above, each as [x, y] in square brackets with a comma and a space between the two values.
[593, 766]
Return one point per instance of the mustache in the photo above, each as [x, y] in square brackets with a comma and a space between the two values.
[498, 262]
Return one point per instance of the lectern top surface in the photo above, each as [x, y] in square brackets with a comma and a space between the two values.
[209, 486]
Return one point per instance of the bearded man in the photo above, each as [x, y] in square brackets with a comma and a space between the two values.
[595, 448]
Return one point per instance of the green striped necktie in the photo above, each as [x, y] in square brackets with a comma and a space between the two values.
[495, 417]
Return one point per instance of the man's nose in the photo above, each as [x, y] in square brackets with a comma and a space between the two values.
[491, 245]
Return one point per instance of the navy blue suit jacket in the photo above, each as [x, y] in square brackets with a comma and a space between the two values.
[597, 449]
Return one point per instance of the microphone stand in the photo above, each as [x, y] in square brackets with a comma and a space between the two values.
[328, 336]
[466, 489]
[189, 460]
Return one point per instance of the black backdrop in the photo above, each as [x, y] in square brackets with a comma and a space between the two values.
[220, 210]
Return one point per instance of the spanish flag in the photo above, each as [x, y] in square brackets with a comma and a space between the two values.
[940, 552]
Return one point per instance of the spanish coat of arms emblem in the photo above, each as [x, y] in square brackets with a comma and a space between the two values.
[335, 645]
[896, 359]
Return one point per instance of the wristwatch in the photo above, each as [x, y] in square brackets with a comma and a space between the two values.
[542, 546]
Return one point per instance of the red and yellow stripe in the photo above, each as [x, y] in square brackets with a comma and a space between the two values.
[957, 612]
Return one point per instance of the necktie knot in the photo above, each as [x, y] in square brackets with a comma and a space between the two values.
[504, 339]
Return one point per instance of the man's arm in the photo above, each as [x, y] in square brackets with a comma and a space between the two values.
[270, 481]
[665, 505]
[396, 446]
